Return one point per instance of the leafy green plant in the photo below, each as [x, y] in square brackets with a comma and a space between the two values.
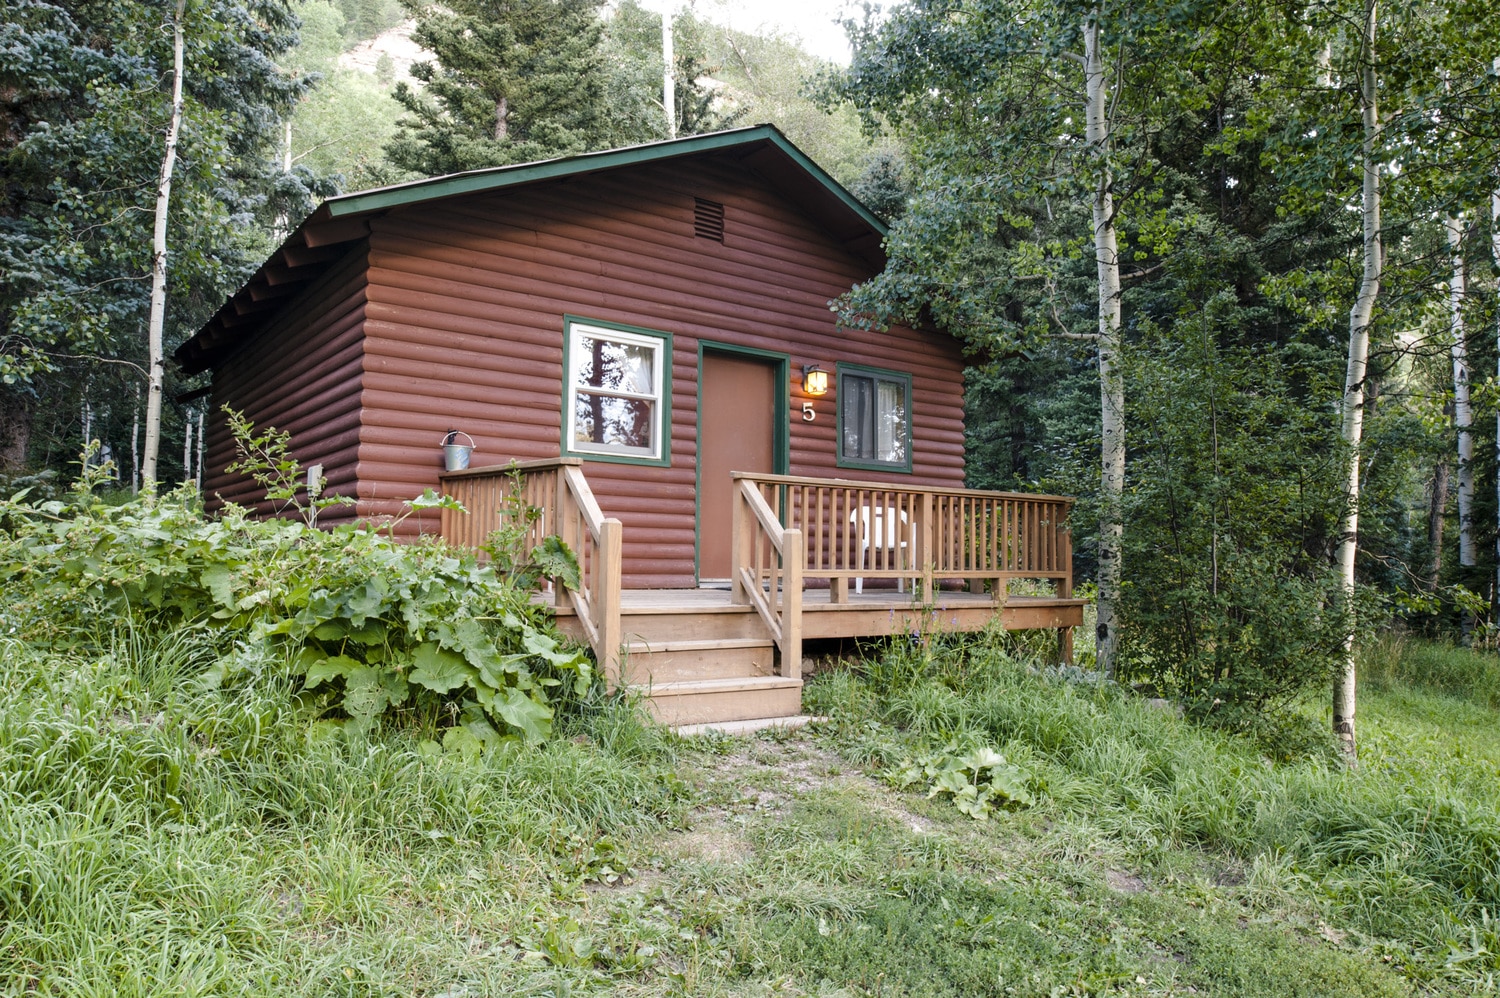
[266, 457]
[372, 627]
[974, 776]
[525, 567]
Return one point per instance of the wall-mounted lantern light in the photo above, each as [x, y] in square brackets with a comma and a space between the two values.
[814, 380]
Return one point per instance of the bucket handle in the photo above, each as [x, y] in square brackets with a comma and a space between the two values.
[447, 437]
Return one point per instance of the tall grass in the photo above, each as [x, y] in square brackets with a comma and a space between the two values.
[1397, 659]
[164, 837]
[1405, 848]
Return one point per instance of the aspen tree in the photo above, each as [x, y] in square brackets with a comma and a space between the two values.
[1361, 317]
[157, 316]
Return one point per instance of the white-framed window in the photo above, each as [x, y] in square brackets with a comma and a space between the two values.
[616, 398]
[874, 408]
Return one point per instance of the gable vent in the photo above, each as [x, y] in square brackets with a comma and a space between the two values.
[708, 220]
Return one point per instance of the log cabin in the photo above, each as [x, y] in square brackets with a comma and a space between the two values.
[646, 335]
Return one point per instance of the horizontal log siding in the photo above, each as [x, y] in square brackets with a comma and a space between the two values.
[302, 376]
[464, 330]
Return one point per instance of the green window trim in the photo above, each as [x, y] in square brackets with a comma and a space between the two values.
[848, 377]
[659, 400]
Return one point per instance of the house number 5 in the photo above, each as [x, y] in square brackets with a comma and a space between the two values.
[808, 413]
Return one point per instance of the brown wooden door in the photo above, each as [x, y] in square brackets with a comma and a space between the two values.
[737, 413]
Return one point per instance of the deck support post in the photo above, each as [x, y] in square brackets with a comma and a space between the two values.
[1065, 591]
[607, 599]
[791, 605]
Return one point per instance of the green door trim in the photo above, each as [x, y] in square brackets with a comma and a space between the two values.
[781, 442]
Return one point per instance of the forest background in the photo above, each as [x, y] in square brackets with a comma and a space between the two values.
[1233, 153]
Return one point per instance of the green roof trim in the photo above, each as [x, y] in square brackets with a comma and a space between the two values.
[501, 177]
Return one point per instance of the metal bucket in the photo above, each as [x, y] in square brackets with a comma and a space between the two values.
[456, 455]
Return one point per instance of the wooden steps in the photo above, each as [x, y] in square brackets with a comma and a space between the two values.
[646, 663]
[701, 661]
[744, 698]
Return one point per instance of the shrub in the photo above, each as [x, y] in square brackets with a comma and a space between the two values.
[371, 626]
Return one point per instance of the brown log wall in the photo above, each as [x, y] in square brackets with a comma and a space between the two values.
[463, 329]
[302, 376]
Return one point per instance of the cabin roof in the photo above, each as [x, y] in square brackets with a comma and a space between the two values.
[327, 234]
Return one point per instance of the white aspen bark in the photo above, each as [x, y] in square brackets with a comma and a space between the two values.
[187, 447]
[1463, 412]
[1360, 318]
[198, 470]
[1111, 384]
[1495, 253]
[669, 73]
[135, 444]
[157, 318]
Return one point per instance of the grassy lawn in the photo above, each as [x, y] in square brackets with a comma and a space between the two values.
[163, 838]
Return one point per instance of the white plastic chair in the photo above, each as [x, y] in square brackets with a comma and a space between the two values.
[877, 528]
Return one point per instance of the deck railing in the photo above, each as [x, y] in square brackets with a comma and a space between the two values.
[766, 571]
[565, 506]
[863, 530]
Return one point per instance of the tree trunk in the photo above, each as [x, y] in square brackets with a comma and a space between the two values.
[187, 446]
[135, 443]
[1360, 318]
[1495, 253]
[1463, 413]
[157, 319]
[1437, 506]
[502, 119]
[1111, 384]
[669, 73]
[15, 429]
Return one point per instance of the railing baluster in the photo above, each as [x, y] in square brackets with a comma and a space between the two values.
[922, 533]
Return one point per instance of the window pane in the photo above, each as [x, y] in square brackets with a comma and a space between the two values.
[614, 422]
[857, 400]
[890, 423]
[614, 366]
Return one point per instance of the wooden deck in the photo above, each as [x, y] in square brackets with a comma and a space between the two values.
[734, 653]
[873, 613]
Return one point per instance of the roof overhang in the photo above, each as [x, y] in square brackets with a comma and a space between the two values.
[340, 223]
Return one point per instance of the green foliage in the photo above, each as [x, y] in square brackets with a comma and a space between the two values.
[82, 151]
[83, 124]
[339, 128]
[520, 563]
[1230, 606]
[513, 81]
[371, 626]
[367, 18]
[771, 78]
[974, 776]
[632, 49]
[266, 458]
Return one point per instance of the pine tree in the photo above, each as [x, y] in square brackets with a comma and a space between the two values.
[512, 81]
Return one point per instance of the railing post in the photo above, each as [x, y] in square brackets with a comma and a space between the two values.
[924, 545]
[792, 561]
[605, 599]
[741, 536]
